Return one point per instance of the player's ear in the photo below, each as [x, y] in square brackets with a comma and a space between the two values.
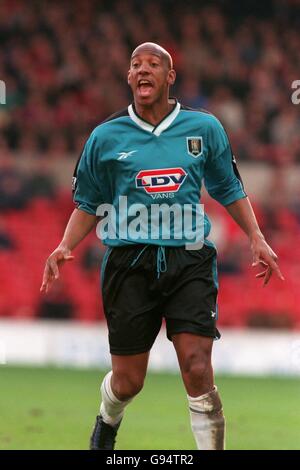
[128, 77]
[171, 77]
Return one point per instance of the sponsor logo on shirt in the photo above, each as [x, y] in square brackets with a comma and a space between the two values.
[160, 180]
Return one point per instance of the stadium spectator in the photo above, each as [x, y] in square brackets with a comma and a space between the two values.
[40, 183]
[56, 305]
[6, 241]
[13, 191]
[92, 257]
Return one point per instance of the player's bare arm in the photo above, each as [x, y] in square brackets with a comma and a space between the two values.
[80, 224]
[241, 211]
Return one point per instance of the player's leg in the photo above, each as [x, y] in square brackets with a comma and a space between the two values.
[121, 384]
[206, 412]
[191, 311]
[129, 373]
[133, 323]
[194, 357]
[118, 388]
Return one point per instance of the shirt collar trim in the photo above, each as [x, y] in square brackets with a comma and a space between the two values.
[162, 126]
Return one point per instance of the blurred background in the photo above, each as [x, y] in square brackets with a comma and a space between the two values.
[64, 65]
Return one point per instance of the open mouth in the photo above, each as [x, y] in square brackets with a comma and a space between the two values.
[144, 87]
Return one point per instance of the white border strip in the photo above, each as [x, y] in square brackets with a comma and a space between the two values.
[75, 344]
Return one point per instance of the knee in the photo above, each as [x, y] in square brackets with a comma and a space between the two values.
[196, 366]
[126, 386]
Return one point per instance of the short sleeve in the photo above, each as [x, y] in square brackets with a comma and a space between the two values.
[221, 177]
[86, 181]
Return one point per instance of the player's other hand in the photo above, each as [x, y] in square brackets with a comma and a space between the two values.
[264, 256]
[51, 272]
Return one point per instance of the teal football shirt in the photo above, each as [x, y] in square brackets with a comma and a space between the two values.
[131, 165]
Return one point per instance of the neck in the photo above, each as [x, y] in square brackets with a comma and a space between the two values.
[155, 112]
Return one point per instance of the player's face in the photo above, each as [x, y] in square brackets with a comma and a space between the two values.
[149, 77]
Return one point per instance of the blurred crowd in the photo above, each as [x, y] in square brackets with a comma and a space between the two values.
[65, 64]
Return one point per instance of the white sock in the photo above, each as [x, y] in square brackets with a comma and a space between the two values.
[207, 420]
[111, 408]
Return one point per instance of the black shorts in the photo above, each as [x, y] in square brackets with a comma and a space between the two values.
[142, 284]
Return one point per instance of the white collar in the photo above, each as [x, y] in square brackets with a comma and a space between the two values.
[162, 126]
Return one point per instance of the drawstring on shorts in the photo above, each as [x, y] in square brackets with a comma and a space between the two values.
[161, 261]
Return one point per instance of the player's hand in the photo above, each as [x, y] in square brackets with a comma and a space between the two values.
[264, 256]
[54, 262]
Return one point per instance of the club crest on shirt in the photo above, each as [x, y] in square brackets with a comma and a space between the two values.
[194, 146]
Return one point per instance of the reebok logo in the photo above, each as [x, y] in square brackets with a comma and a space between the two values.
[123, 155]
